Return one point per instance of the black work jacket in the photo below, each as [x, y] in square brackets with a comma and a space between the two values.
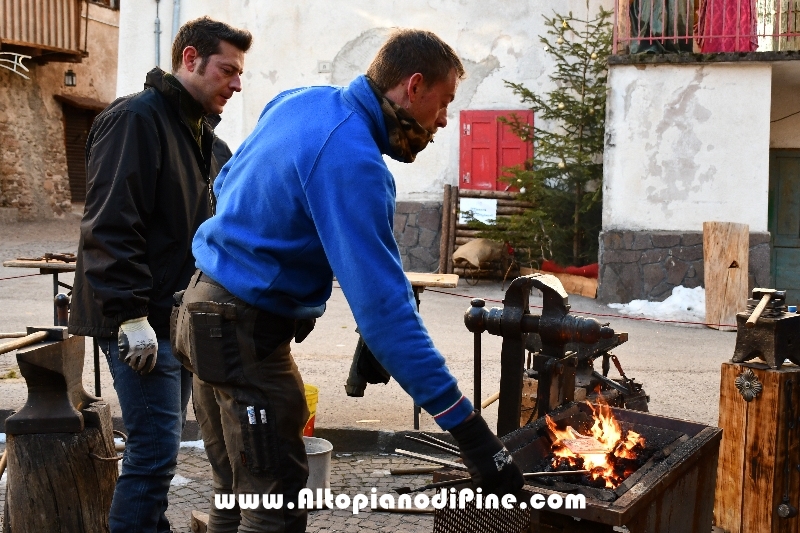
[148, 190]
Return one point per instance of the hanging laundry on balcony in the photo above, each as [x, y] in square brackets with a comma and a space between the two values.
[727, 26]
[660, 26]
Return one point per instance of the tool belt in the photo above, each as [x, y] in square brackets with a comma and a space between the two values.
[204, 333]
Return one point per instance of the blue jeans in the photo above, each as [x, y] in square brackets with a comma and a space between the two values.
[154, 411]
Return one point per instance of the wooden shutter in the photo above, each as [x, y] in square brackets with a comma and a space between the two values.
[487, 147]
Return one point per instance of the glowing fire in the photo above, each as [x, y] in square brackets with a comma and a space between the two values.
[606, 449]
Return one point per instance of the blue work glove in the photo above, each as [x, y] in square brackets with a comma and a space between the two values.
[487, 459]
[138, 347]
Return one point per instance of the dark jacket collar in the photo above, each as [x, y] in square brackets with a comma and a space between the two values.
[176, 95]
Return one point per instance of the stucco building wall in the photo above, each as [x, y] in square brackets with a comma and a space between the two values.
[290, 40]
[33, 166]
[685, 143]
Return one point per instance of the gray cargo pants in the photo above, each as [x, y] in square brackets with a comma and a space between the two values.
[250, 404]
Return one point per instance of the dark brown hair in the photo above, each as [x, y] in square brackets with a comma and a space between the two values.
[410, 51]
[205, 34]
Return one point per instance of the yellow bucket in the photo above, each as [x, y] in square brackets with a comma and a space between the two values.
[312, 395]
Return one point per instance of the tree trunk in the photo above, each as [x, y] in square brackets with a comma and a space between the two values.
[53, 483]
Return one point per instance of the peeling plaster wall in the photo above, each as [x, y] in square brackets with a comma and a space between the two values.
[496, 42]
[33, 163]
[785, 131]
[687, 144]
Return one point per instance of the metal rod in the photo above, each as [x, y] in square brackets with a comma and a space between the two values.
[548, 474]
[477, 372]
[432, 445]
[435, 460]
[96, 367]
[55, 293]
[443, 443]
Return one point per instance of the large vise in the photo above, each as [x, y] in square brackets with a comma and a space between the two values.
[555, 366]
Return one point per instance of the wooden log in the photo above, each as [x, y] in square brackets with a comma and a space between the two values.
[470, 228]
[470, 193]
[726, 249]
[471, 233]
[572, 284]
[55, 485]
[444, 238]
[502, 210]
[751, 475]
[514, 203]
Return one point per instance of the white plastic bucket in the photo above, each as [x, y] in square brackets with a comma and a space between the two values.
[319, 463]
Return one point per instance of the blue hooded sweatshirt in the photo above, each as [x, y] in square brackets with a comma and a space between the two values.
[308, 196]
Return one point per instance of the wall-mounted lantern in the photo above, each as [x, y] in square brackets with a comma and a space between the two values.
[70, 79]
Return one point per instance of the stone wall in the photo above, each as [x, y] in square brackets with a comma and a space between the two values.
[645, 265]
[33, 162]
[417, 226]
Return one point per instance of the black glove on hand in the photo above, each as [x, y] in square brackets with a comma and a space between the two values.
[487, 459]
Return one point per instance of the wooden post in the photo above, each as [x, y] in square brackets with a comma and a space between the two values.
[726, 250]
[55, 484]
[751, 475]
[452, 231]
[444, 239]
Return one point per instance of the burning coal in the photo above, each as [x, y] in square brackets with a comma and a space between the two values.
[609, 452]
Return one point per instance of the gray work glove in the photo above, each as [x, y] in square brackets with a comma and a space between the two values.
[138, 346]
[486, 458]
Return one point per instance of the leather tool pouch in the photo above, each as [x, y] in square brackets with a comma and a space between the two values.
[212, 339]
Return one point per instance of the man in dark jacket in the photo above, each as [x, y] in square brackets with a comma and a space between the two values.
[151, 159]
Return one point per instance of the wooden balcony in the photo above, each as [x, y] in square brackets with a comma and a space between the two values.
[46, 30]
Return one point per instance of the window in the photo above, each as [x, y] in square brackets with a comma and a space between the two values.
[110, 4]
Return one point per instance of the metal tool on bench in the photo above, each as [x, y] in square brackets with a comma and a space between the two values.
[767, 331]
[52, 364]
[625, 392]
[555, 367]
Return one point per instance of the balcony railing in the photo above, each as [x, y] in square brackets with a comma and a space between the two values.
[706, 26]
[45, 29]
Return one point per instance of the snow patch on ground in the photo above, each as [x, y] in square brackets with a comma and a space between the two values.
[2, 438]
[684, 304]
[193, 444]
[178, 480]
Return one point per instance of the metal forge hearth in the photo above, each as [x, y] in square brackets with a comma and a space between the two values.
[659, 475]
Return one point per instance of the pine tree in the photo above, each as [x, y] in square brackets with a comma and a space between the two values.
[564, 179]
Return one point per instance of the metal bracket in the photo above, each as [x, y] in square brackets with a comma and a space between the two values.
[15, 63]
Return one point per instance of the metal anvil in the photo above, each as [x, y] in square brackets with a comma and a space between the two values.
[53, 371]
[775, 336]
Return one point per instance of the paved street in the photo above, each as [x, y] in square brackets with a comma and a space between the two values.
[350, 474]
[678, 366]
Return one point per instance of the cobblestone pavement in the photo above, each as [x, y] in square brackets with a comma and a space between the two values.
[350, 474]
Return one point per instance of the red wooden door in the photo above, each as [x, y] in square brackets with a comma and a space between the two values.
[487, 147]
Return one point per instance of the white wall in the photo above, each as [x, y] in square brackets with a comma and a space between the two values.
[686, 144]
[496, 41]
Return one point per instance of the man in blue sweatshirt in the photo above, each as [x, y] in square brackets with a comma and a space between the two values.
[305, 198]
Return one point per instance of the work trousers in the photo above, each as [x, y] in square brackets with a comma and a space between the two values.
[251, 407]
